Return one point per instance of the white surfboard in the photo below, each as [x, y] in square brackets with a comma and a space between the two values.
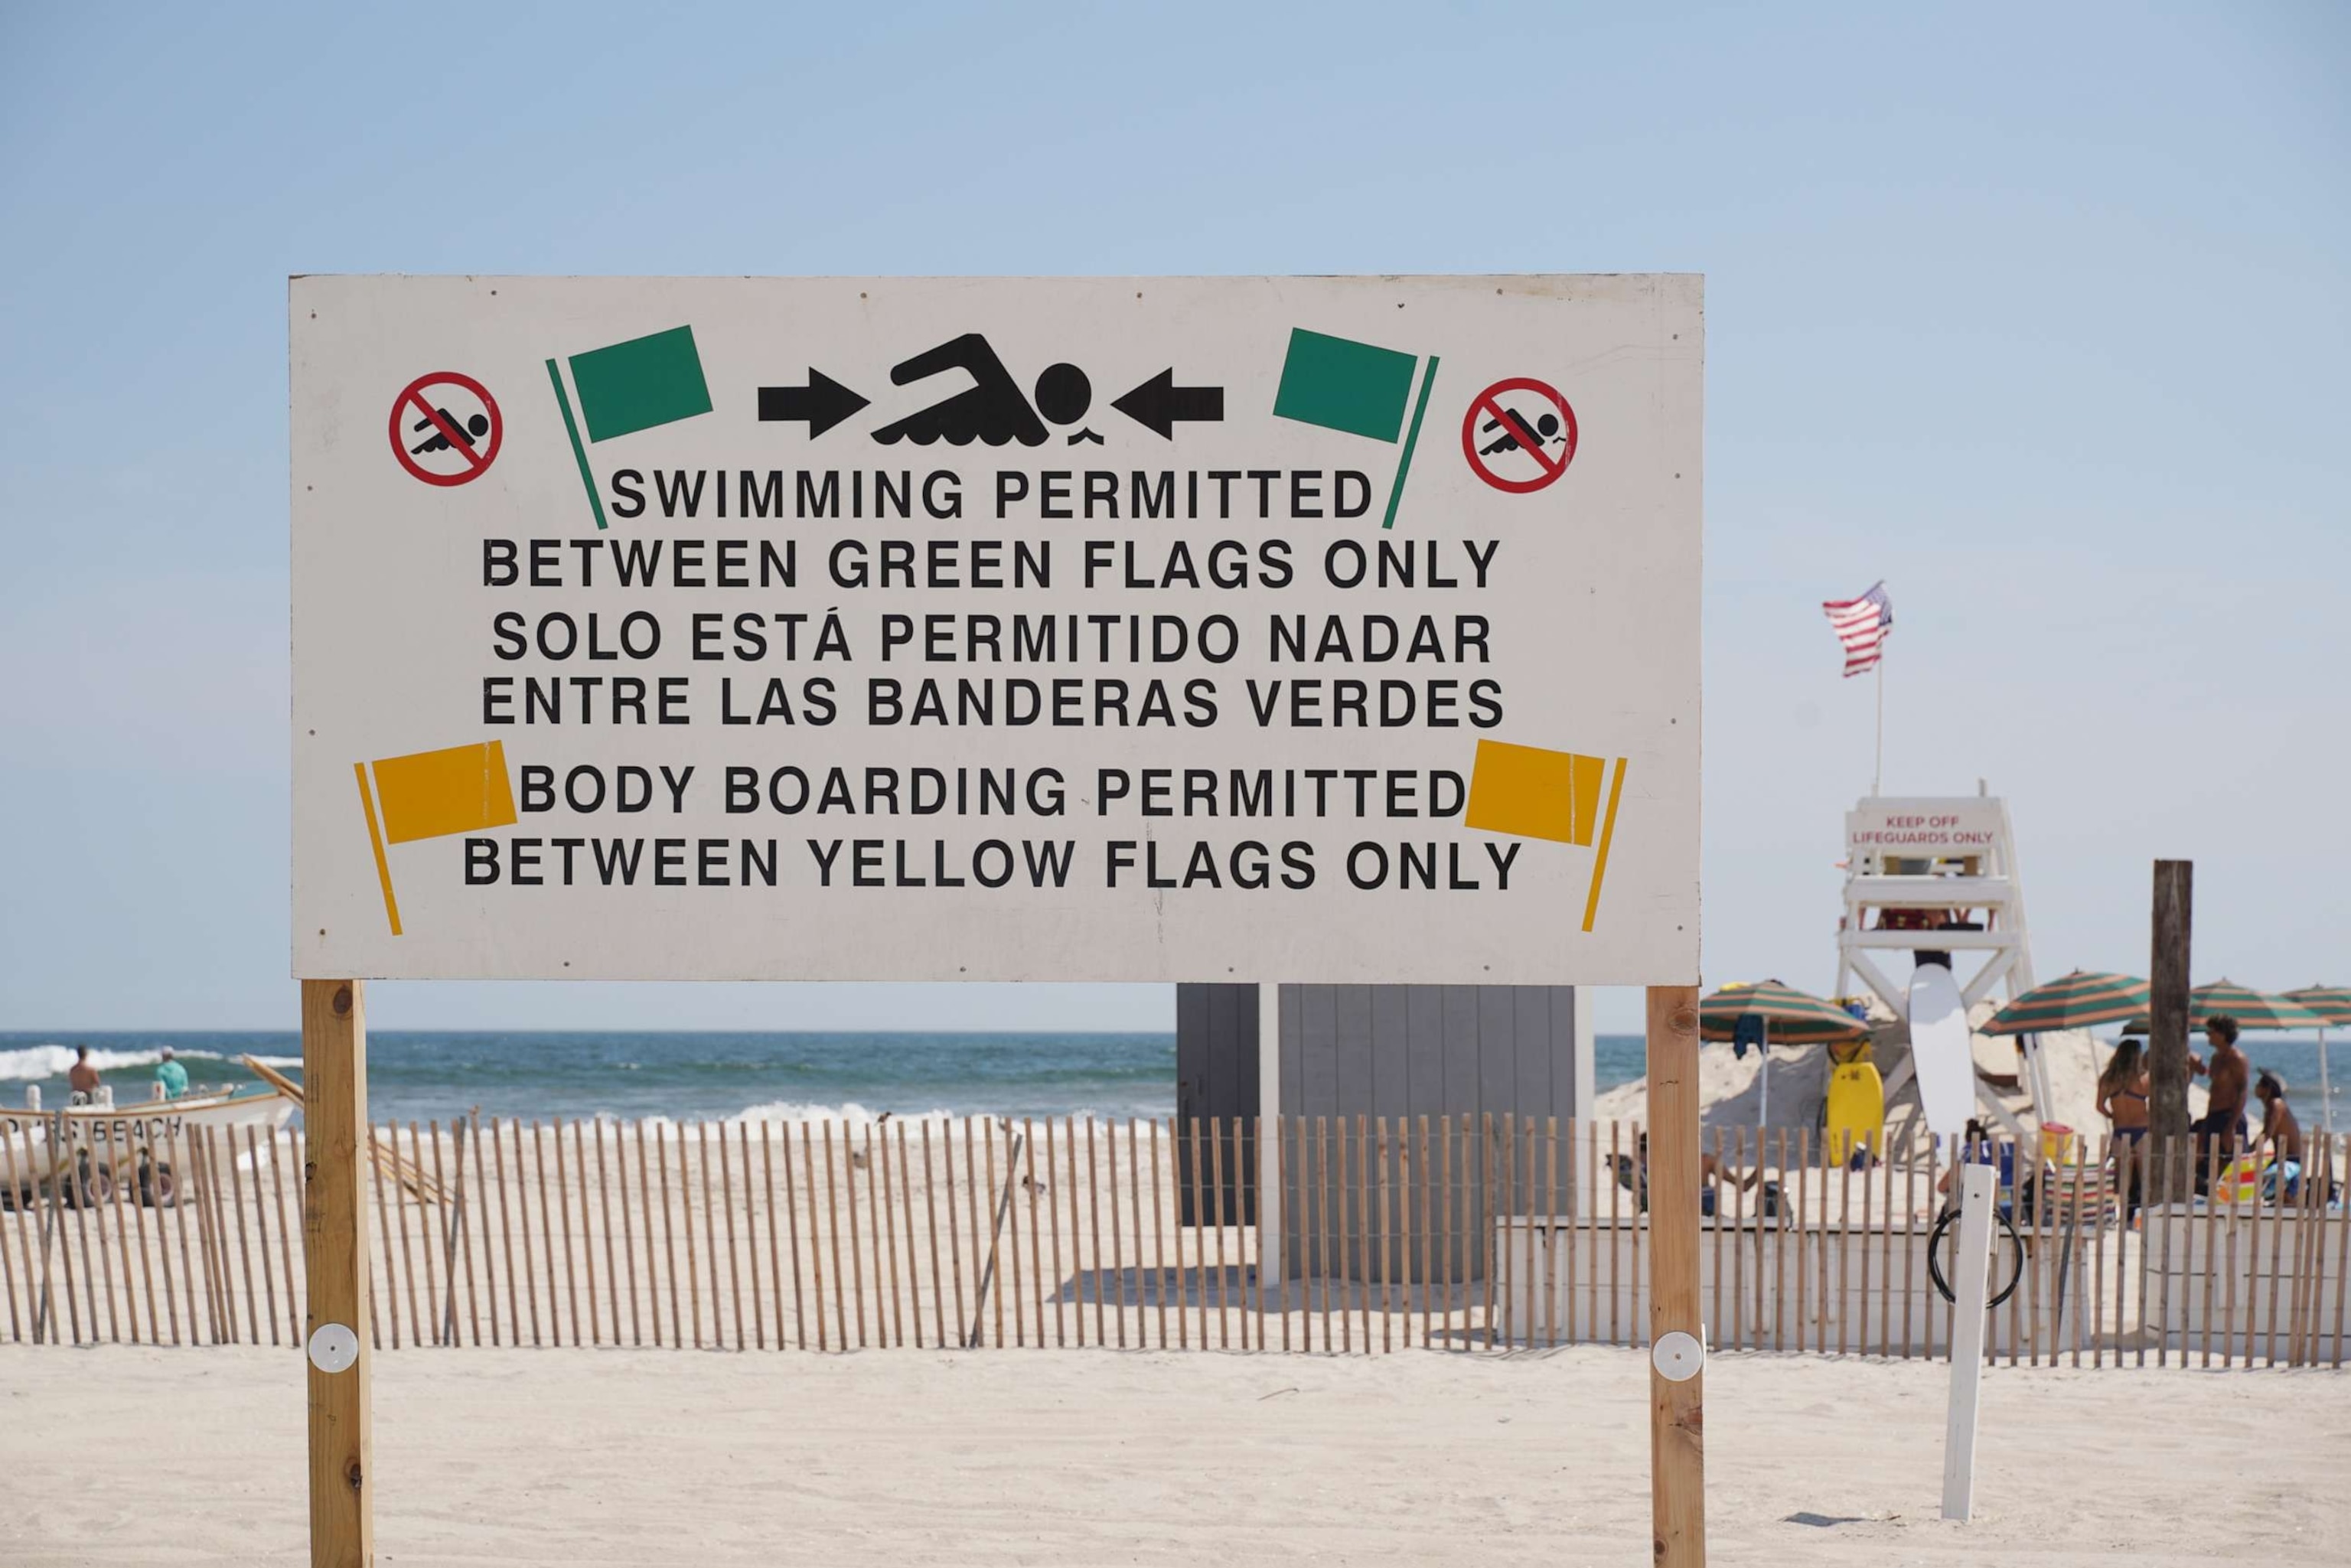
[1941, 1056]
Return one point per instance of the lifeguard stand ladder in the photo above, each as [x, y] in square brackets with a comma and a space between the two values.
[1938, 873]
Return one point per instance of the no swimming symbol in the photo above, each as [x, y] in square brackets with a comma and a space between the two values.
[1519, 434]
[446, 428]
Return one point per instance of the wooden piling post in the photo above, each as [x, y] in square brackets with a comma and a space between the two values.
[334, 1220]
[2168, 1020]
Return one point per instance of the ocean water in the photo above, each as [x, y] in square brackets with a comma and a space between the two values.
[774, 1076]
[422, 1075]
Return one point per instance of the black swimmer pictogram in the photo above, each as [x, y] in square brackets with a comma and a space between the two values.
[469, 431]
[1537, 435]
[992, 409]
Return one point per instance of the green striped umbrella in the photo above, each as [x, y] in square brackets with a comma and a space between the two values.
[2331, 1003]
[2250, 1007]
[2082, 998]
[1791, 1017]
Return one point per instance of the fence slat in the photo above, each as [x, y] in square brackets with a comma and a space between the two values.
[560, 1226]
[775, 1244]
[998, 1204]
[968, 1327]
[1036, 1233]
[388, 1148]
[883, 1210]
[833, 1232]
[196, 1193]
[588, 1228]
[907, 1207]
[493, 1174]
[605, 1208]
[15, 1208]
[261, 1232]
[2338, 1168]
[713, 1211]
[725, 1212]
[141, 1195]
[22, 1203]
[751, 1236]
[127, 1208]
[653, 1269]
[424, 1216]
[461, 1220]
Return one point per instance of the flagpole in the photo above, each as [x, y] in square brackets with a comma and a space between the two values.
[1877, 773]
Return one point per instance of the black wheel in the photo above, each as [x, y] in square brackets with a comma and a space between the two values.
[1934, 1259]
[90, 1186]
[158, 1187]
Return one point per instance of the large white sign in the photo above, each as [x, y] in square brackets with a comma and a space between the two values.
[1108, 629]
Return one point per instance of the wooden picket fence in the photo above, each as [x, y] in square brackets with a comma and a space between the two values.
[1452, 1233]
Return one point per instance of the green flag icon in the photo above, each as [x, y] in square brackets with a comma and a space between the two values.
[1341, 385]
[628, 387]
[638, 384]
[1359, 388]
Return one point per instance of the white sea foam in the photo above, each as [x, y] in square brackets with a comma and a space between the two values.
[851, 1113]
[47, 1061]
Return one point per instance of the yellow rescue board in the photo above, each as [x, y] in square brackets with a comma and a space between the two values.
[1856, 1110]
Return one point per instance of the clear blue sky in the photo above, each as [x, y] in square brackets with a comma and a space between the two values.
[2039, 313]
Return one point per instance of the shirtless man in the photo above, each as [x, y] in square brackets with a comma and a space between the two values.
[81, 1077]
[2231, 1075]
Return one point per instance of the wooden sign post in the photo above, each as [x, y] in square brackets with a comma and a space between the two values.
[334, 1222]
[1676, 1374]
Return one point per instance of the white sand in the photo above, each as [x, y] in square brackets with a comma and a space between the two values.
[125, 1455]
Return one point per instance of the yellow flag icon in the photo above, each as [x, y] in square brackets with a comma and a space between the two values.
[1529, 792]
[431, 795]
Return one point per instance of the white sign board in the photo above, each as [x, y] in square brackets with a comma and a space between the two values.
[1923, 828]
[1322, 630]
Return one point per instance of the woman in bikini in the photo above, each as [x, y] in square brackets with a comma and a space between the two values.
[2122, 1090]
[2122, 1099]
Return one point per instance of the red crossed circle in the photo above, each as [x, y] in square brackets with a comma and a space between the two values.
[1487, 405]
[413, 401]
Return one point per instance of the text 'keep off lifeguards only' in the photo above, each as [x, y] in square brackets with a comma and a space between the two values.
[1136, 629]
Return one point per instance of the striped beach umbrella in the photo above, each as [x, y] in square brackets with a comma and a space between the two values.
[2331, 1003]
[1791, 1017]
[1788, 1016]
[2250, 1007]
[2084, 998]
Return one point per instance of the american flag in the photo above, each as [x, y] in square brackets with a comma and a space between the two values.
[1861, 624]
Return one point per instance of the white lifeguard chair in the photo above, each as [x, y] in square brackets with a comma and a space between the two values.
[1938, 874]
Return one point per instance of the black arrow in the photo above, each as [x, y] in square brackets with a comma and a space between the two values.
[1159, 402]
[824, 402]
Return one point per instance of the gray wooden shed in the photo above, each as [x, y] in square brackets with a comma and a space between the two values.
[1397, 1051]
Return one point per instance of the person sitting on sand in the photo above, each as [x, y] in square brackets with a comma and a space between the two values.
[2223, 1122]
[1711, 1172]
[172, 1075]
[1978, 1148]
[2281, 1132]
[81, 1078]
